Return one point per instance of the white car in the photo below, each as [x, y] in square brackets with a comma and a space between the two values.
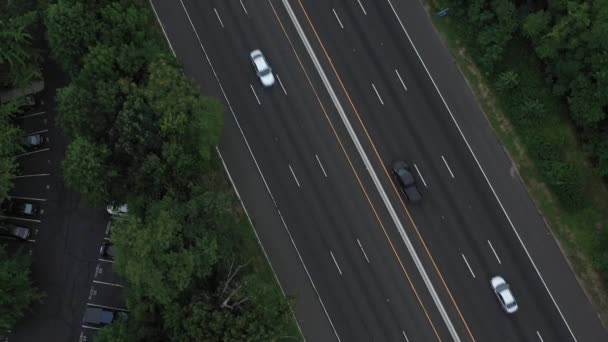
[118, 210]
[262, 69]
[504, 294]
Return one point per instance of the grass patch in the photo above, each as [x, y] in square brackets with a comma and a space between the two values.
[576, 229]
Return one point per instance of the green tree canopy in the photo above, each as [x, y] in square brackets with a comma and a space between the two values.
[17, 292]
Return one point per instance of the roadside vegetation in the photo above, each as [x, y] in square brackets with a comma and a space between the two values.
[142, 134]
[19, 65]
[541, 72]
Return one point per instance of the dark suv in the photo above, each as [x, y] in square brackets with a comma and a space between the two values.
[20, 207]
[406, 181]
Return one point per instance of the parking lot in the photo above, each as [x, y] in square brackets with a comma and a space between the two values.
[65, 234]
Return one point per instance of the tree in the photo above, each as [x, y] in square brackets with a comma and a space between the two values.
[9, 147]
[86, 169]
[18, 60]
[72, 28]
[17, 292]
[155, 256]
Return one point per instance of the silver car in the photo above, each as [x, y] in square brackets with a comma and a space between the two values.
[504, 294]
[261, 67]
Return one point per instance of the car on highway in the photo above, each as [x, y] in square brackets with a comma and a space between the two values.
[407, 182]
[20, 207]
[504, 294]
[117, 209]
[19, 232]
[33, 141]
[262, 68]
[98, 317]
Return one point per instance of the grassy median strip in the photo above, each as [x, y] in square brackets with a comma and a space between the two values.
[541, 141]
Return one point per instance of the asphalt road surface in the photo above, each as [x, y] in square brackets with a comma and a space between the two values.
[331, 220]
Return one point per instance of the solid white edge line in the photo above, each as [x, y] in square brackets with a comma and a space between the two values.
[363, 251]
[539, 337]
[255, 232]
[361, 5]
[294, 175]
[337, 18]
[448, 166]
[244, 9]
[218, 17]
[257, 165]
[321, 165]
[162, 27]
[400, 79]
[484, 175]
[335, 262]
[495, 254]
[420, 175]
[406, 240]
[469, 266]
[254, 94]
[404, 335]
[377, 94]
[281, 83]
[309, 276]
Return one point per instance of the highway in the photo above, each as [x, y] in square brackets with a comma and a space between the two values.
[312, 168]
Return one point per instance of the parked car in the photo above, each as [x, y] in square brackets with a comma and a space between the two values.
[118, 210]
[99, 317]
[20, 207]
[19, 232]
[262, 68]
[107, 250]
[33, 141]
[407, 181]
[504, 294]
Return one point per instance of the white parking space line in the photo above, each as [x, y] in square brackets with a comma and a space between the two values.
[89, 327]
[448, 166]
[107, 307]
[106, 260]
[244, 9]
[405, 336]
[335, 262]
[30, 115]
[377, 94]
[218, 17]
[109, 284]
[420, 175]
[20, 219]
[37, 132]
[33, 152]
[281, 83]
[469, 266]
[321, 165]
[495, 254]
[294, 175]
[254, 94]
[363, 250]
[539, 337]
[29, 198]
[400, 79]
[337, 18]
[33, 175]
[364, 12]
